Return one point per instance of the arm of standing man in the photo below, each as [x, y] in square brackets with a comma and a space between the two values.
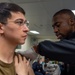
[63, 50]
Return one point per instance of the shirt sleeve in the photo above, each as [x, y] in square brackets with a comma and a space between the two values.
[63, 50]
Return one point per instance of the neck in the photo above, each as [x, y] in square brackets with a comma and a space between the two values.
[6, 51]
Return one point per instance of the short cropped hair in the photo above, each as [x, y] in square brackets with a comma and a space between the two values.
[6, 9]
[65, 11]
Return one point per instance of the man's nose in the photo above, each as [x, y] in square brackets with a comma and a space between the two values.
[55, 29]
[26, 28]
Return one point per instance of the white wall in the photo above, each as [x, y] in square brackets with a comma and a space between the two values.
[27, 44]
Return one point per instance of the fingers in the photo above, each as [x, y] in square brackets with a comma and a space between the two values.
[19, 58]
[24, 59]
[28, 62]
[21, 65]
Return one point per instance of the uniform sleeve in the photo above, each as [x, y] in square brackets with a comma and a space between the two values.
[34, 66]
[63, 50]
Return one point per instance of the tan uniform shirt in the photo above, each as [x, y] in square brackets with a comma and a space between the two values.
[7, 69]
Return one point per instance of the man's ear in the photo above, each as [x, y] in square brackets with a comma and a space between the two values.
[1, 29]
[72, 21]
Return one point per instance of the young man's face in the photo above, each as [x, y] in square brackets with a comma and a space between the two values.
[16, 30]
[62, 25]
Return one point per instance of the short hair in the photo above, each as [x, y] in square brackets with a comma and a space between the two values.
[65, 11]
[6, 9]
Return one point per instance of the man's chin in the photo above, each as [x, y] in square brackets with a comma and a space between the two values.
[59, 37]
[21, 43]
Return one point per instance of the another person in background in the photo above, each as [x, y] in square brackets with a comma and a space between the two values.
[63, 50]
[13, 31]
[38, 67]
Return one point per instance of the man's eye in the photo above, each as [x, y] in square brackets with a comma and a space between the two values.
[58, 25]
[19, 23]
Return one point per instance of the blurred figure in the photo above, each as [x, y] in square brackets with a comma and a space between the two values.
[38, 67]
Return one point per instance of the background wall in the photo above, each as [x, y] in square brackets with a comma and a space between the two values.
[27, 44]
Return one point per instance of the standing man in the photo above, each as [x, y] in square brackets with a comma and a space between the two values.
[13, 31]
[64, 29]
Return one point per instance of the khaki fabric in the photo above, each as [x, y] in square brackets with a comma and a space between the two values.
[7, 69]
